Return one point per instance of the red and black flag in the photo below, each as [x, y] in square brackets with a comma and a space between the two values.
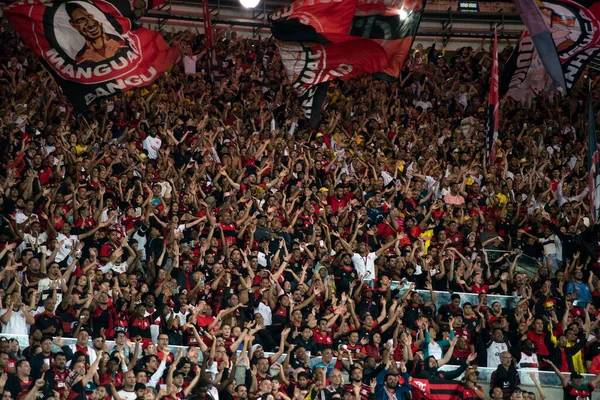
[391, 24]
[321, 22]
[422, 389]
[310, 66]
[208, 30]
[593, 161]
[93, 50]
[493, 117]
[350, 38]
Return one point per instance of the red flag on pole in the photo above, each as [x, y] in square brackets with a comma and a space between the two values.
[492, 128]
[208, 31]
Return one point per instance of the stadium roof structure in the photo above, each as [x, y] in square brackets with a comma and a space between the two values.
[440, 19]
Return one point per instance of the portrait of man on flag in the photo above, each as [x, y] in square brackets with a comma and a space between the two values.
[99, 44]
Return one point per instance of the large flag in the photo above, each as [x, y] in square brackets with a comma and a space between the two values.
[542, 37]
[208, 30]
[524, 76]
[310, 66]
[566, 34]
[93, 50]
[493, 117]
[593, 161]
[392, 25]
[322, 22]
[346, 38]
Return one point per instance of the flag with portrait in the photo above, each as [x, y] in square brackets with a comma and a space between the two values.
[93, 50]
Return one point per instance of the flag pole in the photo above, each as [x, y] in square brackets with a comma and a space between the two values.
[593, 158]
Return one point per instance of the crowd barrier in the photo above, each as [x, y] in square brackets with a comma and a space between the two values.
[442, 298]
[545, 378]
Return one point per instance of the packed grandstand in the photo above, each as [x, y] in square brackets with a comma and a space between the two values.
[196, 239]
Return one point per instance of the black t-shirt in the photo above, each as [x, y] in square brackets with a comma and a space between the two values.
[16, 386]
[344, 276]
[578, 393]
[448, 310]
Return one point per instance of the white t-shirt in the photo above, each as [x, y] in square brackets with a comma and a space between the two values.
[152, 145]
[17, 324]
[119, 268]
[493, 354]
[29, 241]
[127, 395]
[44, 285]
[20, 217]
[214, 393]
[189, 64]
[266, 312]
[525, 359]
[180, 229]
[365, 264]
[435, 350]
[68, 243]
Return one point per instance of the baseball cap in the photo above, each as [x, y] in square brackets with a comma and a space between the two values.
[576, 375]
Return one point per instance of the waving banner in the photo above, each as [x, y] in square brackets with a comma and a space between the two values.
[391, 24]
[566, 35]
[323, 40]
[310, 66]
[318, 21]
[94, 50]
[524, 76]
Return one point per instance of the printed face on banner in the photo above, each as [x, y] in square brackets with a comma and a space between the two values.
[576, 33]
[573, 27]
[83, 43]
[563, 24]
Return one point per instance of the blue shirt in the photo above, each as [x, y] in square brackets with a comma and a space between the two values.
[584, 295]
[400, 389]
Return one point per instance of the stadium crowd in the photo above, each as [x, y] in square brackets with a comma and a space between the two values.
[203, 209]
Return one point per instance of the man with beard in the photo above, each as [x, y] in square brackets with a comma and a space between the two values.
[44, 360]
[47, 322]
[356, 384]
[345, 275]
[388, 386]
[57, 375]
[528, 357]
